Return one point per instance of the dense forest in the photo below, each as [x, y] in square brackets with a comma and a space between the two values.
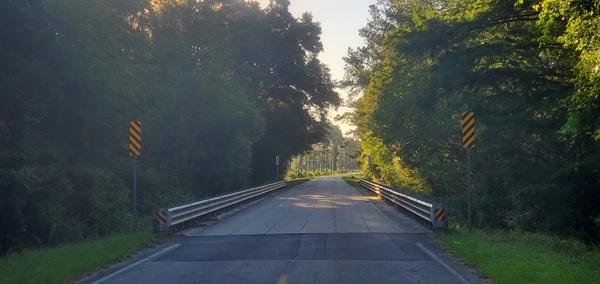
[220, 88]
[528, 69]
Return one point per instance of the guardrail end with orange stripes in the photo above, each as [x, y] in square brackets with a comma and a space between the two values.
[434, 213]
[439, 216]
[162, 219]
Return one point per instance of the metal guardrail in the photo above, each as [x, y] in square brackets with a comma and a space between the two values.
[165, 218]
[434, 213]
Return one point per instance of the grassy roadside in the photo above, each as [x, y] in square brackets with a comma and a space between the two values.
[71, 262]
[514, 257]
[296, 182]
[352, 179]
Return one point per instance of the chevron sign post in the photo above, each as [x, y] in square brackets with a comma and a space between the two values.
[468, 139]
[135, 150]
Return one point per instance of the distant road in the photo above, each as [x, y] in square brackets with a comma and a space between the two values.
[323, 231]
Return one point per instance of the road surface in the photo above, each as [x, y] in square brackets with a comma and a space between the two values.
[323, 231]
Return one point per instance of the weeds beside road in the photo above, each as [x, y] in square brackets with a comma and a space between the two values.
[519, 257]
[70, 262]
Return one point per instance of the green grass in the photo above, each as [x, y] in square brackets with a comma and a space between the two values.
[352, 179]
[298, 181]
[523, 257]
[71, 262]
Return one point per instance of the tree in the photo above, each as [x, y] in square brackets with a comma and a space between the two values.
[441, 59]
[208, 124]
[278, 65]
[74, 73]
[336, 153]
[61, 80]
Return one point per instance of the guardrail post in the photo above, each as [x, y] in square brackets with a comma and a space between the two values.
[439, 216]
[162, 220]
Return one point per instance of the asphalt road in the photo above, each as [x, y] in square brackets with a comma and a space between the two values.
[323, 231]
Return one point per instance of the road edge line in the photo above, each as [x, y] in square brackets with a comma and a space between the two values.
[155, 255]
[442, 263]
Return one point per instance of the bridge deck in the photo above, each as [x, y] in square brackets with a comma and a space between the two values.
[325, 205]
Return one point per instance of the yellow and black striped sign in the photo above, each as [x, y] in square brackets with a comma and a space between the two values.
[468, 130]
[161, 218]
[440, 214]
[135, 138]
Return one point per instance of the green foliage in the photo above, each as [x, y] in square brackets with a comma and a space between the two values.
[353, 180]
[297, 174]
[277, 62]
[71, 262]
[517, 257]
[571, 28]
[57, 124]
[336, 154]
[535, 163]
[297, 182]
[218, 86]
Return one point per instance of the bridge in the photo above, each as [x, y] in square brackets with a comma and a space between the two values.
[322, 231]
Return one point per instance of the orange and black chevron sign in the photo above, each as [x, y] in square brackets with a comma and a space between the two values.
[440, 214]
[135, 138]
[161, 218]
[468, 130]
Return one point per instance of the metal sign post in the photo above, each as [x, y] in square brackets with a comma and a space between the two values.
[277, 166]
[469, 187]
[135, 149]
[134, 188]
[468, 138]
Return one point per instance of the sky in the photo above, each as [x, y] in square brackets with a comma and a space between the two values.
[340, 21]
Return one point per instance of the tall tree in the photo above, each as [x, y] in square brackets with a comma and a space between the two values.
[443, 58]
[277, 63]
[208, 79]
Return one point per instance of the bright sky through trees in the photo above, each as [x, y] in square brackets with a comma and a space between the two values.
[340, 21]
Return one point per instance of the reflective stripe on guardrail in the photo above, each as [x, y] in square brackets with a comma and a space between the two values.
[164, 218]
[434, 213]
